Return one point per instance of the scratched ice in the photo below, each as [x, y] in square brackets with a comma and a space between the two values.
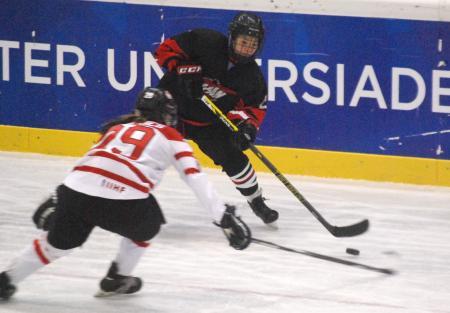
[190, 268]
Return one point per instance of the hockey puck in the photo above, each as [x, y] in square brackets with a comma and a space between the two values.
[352, 251]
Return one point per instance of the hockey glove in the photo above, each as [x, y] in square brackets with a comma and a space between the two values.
[45, 213]
[190, 80]
[236, 231]
[245, 135]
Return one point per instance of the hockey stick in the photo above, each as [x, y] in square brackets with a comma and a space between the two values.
[324, 257]
[337, 231]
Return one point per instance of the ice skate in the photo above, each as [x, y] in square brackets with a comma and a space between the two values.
[115, 284]
[265, 213]
[6, 288]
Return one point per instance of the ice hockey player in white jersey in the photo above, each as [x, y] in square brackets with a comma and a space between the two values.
[111, 187]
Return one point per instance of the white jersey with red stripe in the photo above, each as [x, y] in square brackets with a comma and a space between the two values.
[130, 159]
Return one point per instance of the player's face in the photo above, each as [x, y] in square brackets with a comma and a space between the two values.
[170, 116]
[245, 45]
[170, 119]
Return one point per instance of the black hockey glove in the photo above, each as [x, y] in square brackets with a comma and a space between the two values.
[236, 231]
[245, 135]
[190, 79]
[45, 213]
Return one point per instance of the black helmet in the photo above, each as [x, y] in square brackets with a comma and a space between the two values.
[245, 24]
[157, 105]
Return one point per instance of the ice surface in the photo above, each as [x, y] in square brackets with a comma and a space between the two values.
[190, 268]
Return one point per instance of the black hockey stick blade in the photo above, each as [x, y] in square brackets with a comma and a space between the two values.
[337, 231]
[328, 258]
[350, 230]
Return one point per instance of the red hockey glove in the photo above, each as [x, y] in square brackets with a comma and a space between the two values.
[190, 79]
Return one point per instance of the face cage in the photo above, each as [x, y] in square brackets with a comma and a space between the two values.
[245, 42]
[170, 119]
[240, 58]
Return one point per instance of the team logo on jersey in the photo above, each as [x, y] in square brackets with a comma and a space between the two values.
[211, 88]
[213, 92]
[113, 186]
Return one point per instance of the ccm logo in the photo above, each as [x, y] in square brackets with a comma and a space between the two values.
[189, 69]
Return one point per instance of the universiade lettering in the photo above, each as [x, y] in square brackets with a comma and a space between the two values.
[329, 82]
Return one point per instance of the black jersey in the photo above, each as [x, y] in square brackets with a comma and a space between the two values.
[232, 86]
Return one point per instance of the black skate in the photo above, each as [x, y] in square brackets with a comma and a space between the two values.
[114, 284]
[6, 288]
[261, 210]
[45, 213]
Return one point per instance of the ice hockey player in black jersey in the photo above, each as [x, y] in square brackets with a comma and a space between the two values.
[112, 187]
[204, 61]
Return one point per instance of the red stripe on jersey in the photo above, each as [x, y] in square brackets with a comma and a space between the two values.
[113, 176]
[237, 116]
[183, 154]
[240, 182]
[141, 244]
[40, 254]
[191, 170]
[171, 133]
[258, 113]
[134, 169]
[195, 123]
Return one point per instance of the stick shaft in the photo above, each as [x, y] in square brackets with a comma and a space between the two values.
[346, 231]
[324, 257]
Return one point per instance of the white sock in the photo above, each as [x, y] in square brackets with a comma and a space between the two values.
[32, 258]
[130, 252]
[254, 195]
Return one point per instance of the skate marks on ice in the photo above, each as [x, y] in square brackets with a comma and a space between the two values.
[190, 268]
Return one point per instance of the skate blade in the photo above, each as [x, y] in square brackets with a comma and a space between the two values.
[106, 294]
[273, 225]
